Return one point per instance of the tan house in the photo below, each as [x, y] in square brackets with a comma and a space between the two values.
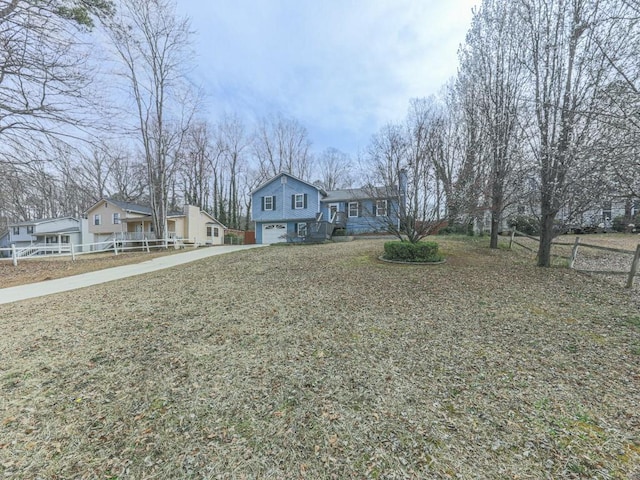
[112, 219]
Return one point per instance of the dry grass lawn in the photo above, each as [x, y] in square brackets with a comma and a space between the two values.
[41, 269]
[321, 362]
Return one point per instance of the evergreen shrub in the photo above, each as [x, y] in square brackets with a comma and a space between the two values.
[412, 252]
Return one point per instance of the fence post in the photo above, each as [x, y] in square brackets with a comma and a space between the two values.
[14, 254]
[574, 252]
[73, 252]
[513, 234]
[115, 246]
[146, 244]
[634, 267]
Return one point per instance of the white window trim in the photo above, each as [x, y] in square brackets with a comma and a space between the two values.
[302, 229]
[270, 207]
[378, 214]
[97, 220]
[300, 197]
[115, 218]
[349, 209]
[216, 232]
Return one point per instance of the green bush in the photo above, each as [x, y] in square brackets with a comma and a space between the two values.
[412, 252]
[526, 224]
[620, 224]
[457, 229]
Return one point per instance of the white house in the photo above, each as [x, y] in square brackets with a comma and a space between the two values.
[48, 235]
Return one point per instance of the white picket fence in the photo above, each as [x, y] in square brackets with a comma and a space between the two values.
[117, 246]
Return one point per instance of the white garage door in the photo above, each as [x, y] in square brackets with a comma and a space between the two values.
[274, 232]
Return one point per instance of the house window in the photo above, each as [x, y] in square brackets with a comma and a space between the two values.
[30, 229]
[97, 219]
[381, 208]
[268, 203]
[299, 201]
[302, 229]
[16, 230]
[353, 209]
[116, 218]
[209, 229]
[216, 232]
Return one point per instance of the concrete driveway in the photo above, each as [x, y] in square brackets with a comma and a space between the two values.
[49, 287]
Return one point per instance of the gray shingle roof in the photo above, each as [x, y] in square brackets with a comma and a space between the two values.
[37, 221]
[352, 194]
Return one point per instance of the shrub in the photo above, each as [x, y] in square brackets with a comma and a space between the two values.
[526, 224]
[457, 229]
[621, 224]
[412, 252]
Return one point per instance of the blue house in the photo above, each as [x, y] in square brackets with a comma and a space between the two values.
[288, 209]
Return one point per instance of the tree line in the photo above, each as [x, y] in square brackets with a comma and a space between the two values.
[542, 114]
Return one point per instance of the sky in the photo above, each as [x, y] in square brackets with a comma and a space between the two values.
[342, 68]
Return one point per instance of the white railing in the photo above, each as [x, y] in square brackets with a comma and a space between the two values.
[44, 249]
[114, 245]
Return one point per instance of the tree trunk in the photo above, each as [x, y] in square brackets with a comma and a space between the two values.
[546, 237]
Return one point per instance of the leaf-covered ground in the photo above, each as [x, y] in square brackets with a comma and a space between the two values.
[41, 269]
[321, 362]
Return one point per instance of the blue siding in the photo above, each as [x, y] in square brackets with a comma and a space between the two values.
[366, 221]
[284, 211]
[282, 192]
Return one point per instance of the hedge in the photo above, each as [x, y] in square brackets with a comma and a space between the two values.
[412, 252]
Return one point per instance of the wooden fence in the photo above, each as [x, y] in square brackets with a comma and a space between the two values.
[631, 273]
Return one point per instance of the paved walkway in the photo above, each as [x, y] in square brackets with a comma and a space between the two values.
[40, 289]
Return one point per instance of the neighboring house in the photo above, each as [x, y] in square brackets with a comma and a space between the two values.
[286, 208]
[50, 235]
[112, 219]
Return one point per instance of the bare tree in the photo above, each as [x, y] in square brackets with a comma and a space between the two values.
[194, 168]
[282, 145]
[44, 73]
[151, 43]
[490, 60]
[566, 72]
[335, 169]
[404, 174]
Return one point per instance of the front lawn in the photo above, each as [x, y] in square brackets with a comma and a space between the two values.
[323, 362]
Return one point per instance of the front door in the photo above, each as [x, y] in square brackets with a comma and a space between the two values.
[333, 209]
